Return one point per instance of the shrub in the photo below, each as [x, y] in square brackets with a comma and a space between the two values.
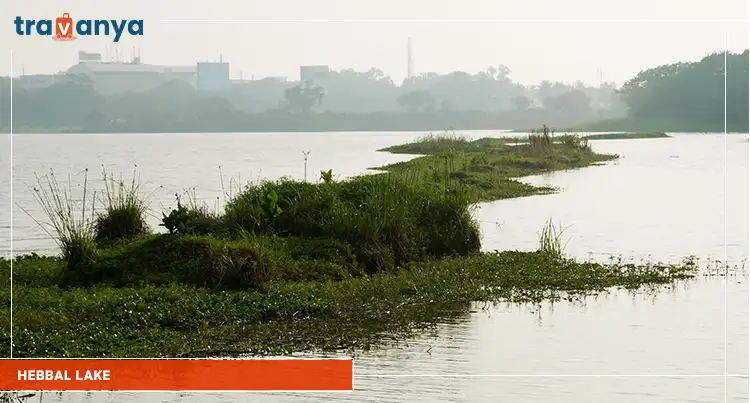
[193, 218]
[205, 261]
[387, 219]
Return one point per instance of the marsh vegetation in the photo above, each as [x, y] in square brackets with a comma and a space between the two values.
[291, 265]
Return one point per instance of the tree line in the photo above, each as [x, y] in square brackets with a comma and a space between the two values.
[691, 92]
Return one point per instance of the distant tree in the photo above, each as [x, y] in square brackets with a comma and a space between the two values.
[417, 101]
[521, 102]
[573, 102]
[693, 92]
[303, 98]
[258, 95]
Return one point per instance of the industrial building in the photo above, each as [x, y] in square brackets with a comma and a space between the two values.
[213, 76]
[117, 77]
[114, 77]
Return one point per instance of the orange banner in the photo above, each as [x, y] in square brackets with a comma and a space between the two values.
[176, 374]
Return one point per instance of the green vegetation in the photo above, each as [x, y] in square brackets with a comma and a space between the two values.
[148, 320]
[487, 166]
[290, 266]
[613, 136]
[685, 97]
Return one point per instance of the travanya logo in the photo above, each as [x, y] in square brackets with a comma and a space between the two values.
[65, 30]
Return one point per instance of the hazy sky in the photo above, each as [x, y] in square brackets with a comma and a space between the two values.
[534, 51]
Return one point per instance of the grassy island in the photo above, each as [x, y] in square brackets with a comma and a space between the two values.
[290, 266]
[610, 136]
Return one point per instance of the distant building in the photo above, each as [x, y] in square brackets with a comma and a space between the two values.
[89, 57]
[314, 74]
[213, 76]
[112, 78]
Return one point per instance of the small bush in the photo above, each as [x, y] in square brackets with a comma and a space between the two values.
[193, 218]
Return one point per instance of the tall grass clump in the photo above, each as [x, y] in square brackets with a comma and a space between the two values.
[70, 223]
[542, 138]
[388, 219]
[434, 143]
[550, 241]
[123, 216]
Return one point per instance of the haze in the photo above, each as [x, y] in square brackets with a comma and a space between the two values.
[563, 51]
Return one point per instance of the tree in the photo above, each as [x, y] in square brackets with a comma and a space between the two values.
[693, 92]
[417, 101]
[521, 103]
[302, 98]
[573, 102]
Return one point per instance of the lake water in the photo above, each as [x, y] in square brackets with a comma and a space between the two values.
[664, 200]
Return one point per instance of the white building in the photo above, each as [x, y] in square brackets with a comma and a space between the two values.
[112, 78]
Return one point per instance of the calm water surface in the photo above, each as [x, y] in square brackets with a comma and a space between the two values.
[664, 200]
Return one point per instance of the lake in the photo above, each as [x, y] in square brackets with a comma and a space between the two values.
[665, 199]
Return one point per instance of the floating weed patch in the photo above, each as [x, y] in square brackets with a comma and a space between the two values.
[285, 317]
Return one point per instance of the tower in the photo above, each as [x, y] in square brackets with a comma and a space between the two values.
[410, 65]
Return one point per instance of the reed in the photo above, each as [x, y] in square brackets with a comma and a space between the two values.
[550, 239]
[70, 219]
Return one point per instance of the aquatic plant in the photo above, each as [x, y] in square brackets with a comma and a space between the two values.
[137, 318]
[550, 239]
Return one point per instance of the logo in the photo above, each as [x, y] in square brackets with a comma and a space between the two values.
[65, 29]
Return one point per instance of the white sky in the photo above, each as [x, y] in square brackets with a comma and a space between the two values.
[565, 51]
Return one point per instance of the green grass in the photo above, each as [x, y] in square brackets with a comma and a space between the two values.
[488, 167]
[604, 136]
[282, 317]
